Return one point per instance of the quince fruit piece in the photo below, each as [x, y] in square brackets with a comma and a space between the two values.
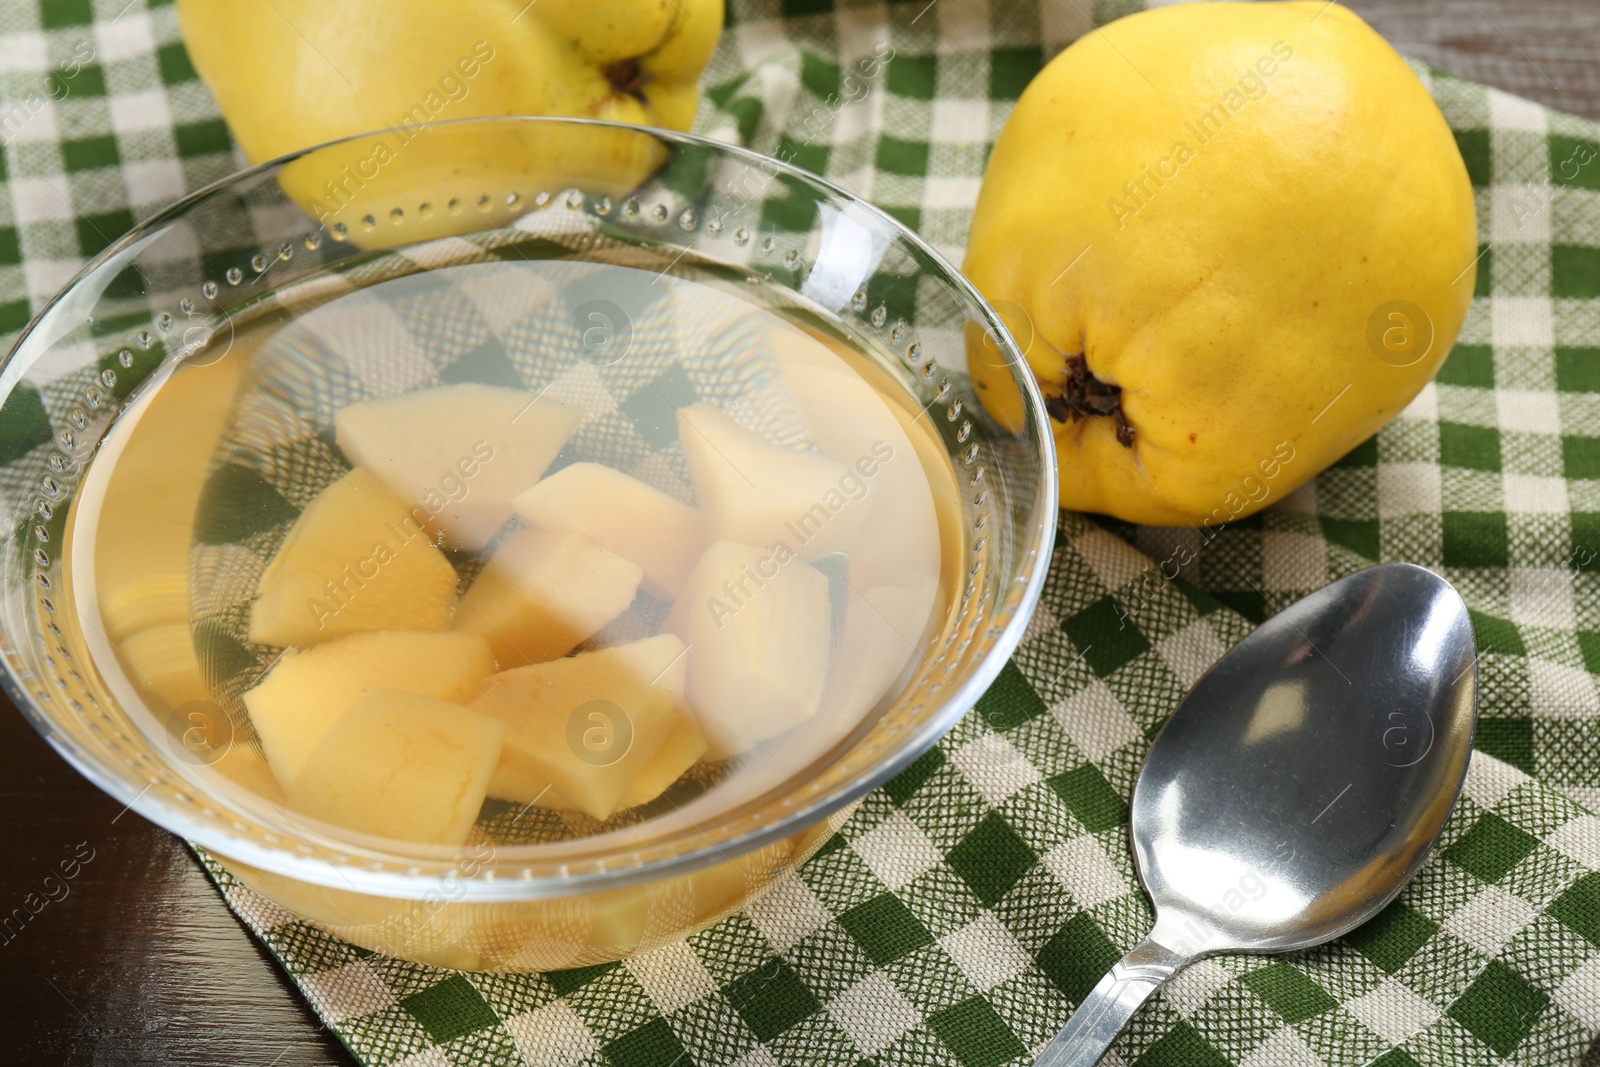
[543, 593]
[163, 659]
[401, 765]
[586, 732]
[681, 750]
[760, 493]
[757, 622]
[638, 522]
[300, 699]
[355, 560]
[1234, 239]
[146, 518]
[457, 453]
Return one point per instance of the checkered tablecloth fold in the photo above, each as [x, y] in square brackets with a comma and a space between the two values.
[966, 907]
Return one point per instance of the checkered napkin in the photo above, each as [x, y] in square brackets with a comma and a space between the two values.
[967, 906]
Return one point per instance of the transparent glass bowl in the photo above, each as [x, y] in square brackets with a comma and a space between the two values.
[174, 289]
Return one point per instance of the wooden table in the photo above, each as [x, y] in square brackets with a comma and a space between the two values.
[142, 963]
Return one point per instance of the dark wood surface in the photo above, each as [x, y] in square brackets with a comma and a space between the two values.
[1545, 50]
[141, 962]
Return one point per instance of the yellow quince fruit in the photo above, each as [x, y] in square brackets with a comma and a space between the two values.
[1234, 239]
[296, 73]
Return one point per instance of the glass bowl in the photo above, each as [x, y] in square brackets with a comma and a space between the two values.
[173, 294]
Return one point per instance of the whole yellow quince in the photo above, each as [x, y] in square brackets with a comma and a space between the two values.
[289, 74]
[1233, 239]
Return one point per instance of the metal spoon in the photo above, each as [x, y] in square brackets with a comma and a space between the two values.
[1297, 787]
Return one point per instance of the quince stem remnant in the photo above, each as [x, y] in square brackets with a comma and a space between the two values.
[627, 77]
[1083, 396]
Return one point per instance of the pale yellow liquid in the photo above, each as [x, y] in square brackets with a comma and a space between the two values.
[143, 507]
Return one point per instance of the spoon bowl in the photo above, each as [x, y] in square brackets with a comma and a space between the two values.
[1298, 786]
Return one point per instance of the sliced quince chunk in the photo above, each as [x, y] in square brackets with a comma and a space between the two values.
[298, 701]
[147, 517]
[636, 521]
[683, 747]
[243, 764]
[759, 493]
[130, 605]
[543, 593]
[583, 732]
[457, 454]
[401, 765]
[877, 636]
[856, 425]
[355, 560]
[681, 750]
[758, 623]
[163, 660]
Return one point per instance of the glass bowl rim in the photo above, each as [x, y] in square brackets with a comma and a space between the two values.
[481, 885]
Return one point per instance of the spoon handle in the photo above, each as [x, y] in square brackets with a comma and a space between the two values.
[1109, 1006]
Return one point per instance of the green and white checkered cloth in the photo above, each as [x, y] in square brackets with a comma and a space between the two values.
[970, 904]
